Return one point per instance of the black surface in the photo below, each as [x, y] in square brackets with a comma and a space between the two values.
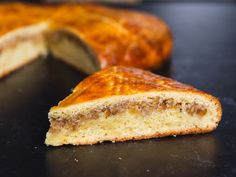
[204, 56]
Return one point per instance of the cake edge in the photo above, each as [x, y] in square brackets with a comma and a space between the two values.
[215, 103]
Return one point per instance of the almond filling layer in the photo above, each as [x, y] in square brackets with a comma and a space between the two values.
[144, 108]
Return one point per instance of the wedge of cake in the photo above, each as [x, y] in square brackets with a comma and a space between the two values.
[121, 103]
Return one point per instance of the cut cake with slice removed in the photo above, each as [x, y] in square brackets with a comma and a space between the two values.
[87, 36]
[120, 103]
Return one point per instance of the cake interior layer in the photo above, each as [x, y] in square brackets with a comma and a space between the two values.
[21, 46]
[71, 49]
[21, 53]
[131, 119]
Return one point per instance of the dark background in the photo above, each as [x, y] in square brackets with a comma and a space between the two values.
[204, 56]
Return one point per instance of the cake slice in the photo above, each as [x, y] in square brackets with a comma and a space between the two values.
[120, 103]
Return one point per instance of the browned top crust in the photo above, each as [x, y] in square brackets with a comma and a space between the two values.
[118, 37]
[121, 80]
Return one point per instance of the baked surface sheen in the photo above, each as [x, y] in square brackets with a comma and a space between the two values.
[116, 36]
[116, 81]
[121, 103]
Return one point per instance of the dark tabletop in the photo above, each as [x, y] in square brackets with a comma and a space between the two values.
[204, 56]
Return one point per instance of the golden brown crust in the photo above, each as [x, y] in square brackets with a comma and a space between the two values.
[17, 15]
[120, 80]
[116, 36]
[152, 29]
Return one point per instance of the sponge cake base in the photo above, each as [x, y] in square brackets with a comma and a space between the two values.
[142, 118]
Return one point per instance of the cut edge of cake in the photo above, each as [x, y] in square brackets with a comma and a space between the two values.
[133, 117]
[22, 46]
[68, 46]
[26, 44]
